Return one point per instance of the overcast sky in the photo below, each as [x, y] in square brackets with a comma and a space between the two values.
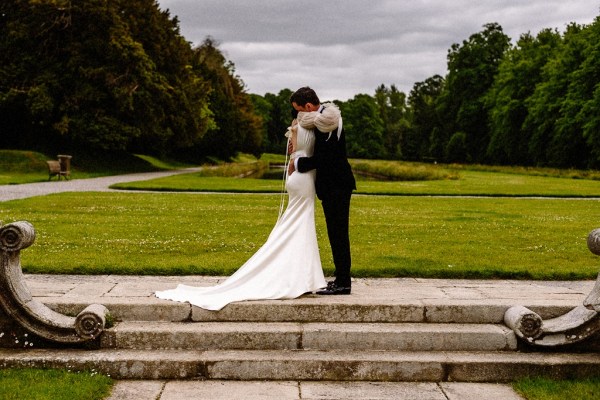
[345, 47]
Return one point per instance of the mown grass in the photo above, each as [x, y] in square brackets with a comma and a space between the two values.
[17, 166]
[471, 183]
[483, 183]
[162, 164]
[22, 161]
[50, 384]
[550, 389]
[399, 178]
[22, 167]
[536, 171]
[213, 234]
[380, 177]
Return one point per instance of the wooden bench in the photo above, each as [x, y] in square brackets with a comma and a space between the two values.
[54, 169]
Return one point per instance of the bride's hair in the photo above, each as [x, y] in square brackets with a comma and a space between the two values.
[303, 96]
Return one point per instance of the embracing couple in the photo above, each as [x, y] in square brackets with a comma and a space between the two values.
[288, 265]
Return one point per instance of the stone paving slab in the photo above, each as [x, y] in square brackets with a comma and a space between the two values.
[395, 300]
[478, 391]
[137, 389]
[377, 289]
[293, 390]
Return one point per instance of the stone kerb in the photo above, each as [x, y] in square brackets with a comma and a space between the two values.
[580, 326]
[22, 316]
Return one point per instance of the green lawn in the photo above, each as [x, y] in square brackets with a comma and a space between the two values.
[49, 384]
[182, 233]
[17, 166]
[481, 183]
[549, 389]
[401, 233]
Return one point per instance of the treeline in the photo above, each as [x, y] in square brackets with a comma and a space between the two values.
[116, 75]
[534, 103]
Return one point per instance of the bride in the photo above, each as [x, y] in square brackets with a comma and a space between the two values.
[288, 264]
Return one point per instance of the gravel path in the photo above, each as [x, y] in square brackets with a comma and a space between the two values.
[14, 192]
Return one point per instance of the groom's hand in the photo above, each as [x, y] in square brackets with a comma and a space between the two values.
[291, 168]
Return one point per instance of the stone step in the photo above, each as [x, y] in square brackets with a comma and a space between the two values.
[303, 365]
[309, 336]
[315, 390]
[340, 309]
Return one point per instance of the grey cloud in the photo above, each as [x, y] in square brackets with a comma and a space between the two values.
[356, 44]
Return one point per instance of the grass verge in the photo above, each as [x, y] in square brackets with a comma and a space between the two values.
[549, 389]
[235, 170]
[50, 384]
[401, 171]
[484, 183]
[471, 183]
[18, 166]
[214, 234]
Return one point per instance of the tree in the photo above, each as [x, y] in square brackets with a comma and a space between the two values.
[588, 79]
[471, 70]
[363, 126]
[181, 95]
[392, 110]
[423, 119]
[280, 118]
[96, 74]
[456, 149]
[237, 128]
[518, 75]
[573, 141]
[556, 137]
[263, 109]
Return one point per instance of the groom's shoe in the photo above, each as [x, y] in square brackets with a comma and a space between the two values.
[333, 289]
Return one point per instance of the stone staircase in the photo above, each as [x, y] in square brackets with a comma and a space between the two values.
[362, 337]
[394, 330]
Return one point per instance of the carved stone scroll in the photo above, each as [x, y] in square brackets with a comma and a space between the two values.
[576, 326]
[18, 304]
[592, 302]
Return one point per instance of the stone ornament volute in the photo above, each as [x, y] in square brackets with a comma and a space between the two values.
[18, 304]
[576, 326]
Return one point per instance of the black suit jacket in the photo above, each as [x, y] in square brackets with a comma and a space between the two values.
[334, 174]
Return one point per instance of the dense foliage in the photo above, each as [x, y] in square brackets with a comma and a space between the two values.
[534, 103]
[115, 75]
[118, 76]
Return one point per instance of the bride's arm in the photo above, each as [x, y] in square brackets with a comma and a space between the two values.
[291, 134]
[294, 138]
[292, 144]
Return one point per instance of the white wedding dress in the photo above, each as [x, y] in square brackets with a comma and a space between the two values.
[287, 265]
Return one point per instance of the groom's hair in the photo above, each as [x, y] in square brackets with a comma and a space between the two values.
[304, 95]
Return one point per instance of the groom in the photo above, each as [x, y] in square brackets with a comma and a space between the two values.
[334, 182]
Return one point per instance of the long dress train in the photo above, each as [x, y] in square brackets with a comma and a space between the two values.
[286, 266]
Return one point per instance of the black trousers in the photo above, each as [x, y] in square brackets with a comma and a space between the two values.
[336, 207]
